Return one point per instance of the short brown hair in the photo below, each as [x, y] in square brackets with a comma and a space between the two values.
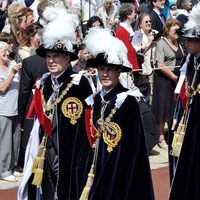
[125, 10]
[169, 23]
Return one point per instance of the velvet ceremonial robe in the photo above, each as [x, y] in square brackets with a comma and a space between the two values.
[63, 174]
[124, 173]
[186, 182]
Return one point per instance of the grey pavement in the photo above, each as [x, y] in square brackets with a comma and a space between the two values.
[156, 161]
[8, 185]
[161, 160]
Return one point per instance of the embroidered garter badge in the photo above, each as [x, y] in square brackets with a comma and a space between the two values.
[72, 108]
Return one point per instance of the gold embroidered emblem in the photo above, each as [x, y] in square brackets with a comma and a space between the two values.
[72, 108]
[111, 132]
[112, 135]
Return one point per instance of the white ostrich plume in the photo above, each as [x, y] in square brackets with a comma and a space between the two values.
[61, 27]
[100, 40]
[194, 19]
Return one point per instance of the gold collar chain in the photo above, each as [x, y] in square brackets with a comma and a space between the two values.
[58, 100]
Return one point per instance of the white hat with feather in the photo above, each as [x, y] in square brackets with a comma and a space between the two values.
[59, 33]
[106, 50]
[192, 27]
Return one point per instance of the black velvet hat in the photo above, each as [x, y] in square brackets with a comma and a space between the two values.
[192, 33]
[101, 60]
[58, 47]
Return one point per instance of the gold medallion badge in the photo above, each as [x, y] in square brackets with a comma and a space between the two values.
[111, 132]
[72, 108]
[112, 135]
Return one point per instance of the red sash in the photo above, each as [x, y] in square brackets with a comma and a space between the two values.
[37, 108]
[91, 131]
[183, 96]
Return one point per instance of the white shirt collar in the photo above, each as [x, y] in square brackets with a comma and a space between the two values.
[127, 27]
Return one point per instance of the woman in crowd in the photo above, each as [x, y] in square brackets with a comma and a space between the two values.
[9, 132]
[31, 39]
[94, 21]
[20, 18]
[169, 54]
[142, 79]
[8, 38]
[108, 12]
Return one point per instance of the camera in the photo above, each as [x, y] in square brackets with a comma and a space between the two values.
[156, 34]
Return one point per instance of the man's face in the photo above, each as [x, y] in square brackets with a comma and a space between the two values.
[85, 54]
[132, 16]
[57, 62]
[188, 5]
[193, 46]
[109, 76]
[159, 4]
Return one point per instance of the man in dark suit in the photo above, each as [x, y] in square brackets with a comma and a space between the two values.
[33, 68]
[157, 18]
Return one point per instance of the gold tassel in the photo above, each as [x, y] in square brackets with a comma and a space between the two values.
[178, 139]
[179, 144]
[38, 176]
[37, 181]
[37, 159]
[86, 190]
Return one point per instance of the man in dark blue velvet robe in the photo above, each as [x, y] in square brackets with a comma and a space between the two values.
[121, 169]
[59, 106]
[186, 181]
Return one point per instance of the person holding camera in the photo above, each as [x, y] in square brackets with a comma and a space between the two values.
[143, 79]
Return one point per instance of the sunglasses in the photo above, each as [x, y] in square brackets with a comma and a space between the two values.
[148, 21]
[173, 7]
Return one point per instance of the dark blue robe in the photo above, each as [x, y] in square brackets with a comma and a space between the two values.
[124, 173]
[186, 182]
[69, 142]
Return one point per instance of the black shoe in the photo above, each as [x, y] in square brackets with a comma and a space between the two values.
[153, 152]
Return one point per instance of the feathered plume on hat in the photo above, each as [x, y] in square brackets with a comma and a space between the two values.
[192, 27]
[106, 49]
[59, 33]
